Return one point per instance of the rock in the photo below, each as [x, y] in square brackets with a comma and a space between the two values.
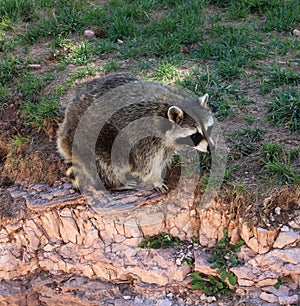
[267, 282]
[295, 32]
[164, 302]
[262, 236]
[245, 282]
[280, 292]
[268, 297]
[246, 233]
[286, 238]
[201, 265]
[243, 272]
[289, 300]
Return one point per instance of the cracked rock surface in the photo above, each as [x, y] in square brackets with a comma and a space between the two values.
[58, 247]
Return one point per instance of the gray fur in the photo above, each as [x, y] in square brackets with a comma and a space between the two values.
[126, 131]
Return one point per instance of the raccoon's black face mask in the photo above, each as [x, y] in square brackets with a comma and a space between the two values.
[190, 133]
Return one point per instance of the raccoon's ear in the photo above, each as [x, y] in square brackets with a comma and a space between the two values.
[175, 114]
[203, 100]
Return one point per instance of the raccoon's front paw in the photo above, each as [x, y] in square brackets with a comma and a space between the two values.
[162, 188]
[74, 179]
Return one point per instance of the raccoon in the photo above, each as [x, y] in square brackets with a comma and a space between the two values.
[120, 132]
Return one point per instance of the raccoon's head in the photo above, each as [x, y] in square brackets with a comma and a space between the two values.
[191, 125]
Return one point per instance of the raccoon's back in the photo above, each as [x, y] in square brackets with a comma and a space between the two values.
[90, 92]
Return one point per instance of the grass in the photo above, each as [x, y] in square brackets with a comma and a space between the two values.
[245, 141]
[280, 164]
[284, 108]
[239, 52]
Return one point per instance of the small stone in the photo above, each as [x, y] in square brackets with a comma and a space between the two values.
[277, 210]
[89, 33]
[245, 282]
[178, 262]
[268, 297]
[295, 32]
[267, 282]
[285, 228]
[289, 300]
[126, 297]
[211, 299]
[35, 66]
[170, 295]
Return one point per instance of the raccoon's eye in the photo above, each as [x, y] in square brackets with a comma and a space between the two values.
[196, 138]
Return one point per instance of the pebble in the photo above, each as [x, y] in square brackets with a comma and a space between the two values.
[295, 32]
[89, 33]
[126, 297]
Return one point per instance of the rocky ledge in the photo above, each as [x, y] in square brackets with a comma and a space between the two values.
[49, 236]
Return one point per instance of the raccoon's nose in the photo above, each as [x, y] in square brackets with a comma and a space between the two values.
[211, 147]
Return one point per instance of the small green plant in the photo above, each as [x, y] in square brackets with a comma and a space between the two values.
[282, 15]
[17, 143]
[160, 241]
[224, 256]
[210, 284]
[279, 282]
[166, 71]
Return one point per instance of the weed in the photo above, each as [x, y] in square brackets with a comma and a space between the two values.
[46, 108]
[279, 163]
[279, 282]
[3, 97]
[231, 46]
[284, 109]
[111, 65]
[210, 284]
[245, 141]
[160, 241]
[14, 9]
[166, 71]
[283, 171]
[241, 8]
[224, 256]
[10, 67]
[17, 143]
[272, 151]
[276, 76]
[80, 54]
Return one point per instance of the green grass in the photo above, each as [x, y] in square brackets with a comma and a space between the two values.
[277, 76]
[240, 52]
[280, 164]
[46, 108]
[245, 141]
[284, 108]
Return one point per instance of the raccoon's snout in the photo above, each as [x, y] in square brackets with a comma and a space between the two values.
[211, 147]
